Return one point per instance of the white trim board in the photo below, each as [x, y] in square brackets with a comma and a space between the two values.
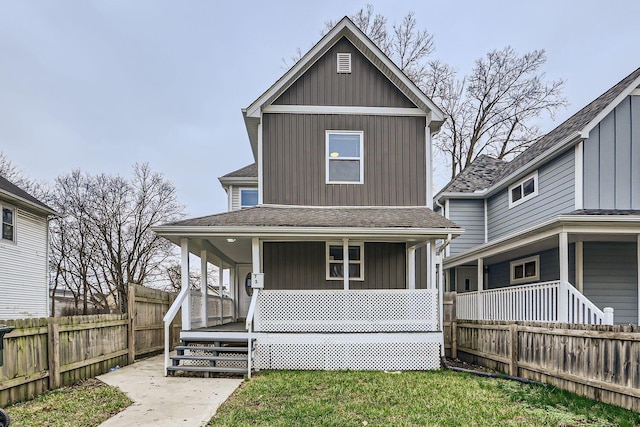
[344, 110]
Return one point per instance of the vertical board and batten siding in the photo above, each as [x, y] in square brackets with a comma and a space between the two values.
[612, 159]
[295, 158]
[302, 265]
[468, 214]
[499, 274]
[23, 269]
[556, 195]
[365, 86]
[610, 275]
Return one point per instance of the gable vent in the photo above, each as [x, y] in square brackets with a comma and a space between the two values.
[344, 63]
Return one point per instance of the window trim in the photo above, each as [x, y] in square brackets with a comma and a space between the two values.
[523, 261]
[15, 223]
[520, 183]
[328, 158]
[360, 261]
[240, 190]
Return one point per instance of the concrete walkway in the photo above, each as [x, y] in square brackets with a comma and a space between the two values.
[166, 401]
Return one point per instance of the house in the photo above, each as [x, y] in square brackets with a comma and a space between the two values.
[24, 256]
[330, 237]
[553, 234]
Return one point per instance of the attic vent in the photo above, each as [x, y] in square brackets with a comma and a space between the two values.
[344, 63]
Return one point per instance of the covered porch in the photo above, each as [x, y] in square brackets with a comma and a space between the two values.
[320, 296]
[577, 268]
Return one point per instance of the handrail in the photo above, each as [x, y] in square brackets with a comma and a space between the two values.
[168, 318]
[252, 309]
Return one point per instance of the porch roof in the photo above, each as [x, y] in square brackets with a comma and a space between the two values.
[407, 217]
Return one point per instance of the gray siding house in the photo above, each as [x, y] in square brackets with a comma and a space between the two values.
[329, 238]
[558, 227]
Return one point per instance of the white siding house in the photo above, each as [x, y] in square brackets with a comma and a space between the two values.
[24, 290]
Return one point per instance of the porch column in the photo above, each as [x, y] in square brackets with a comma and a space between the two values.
[638, 250]
[232, 290]
[432, 264]
[203, 289]
[345, 262]
[411, 267]
[579, 266]
[563, 249]
[480, 289]
[184, 279]
[255, 255]
[220, 290]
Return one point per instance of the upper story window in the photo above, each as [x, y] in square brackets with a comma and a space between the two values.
[525, 270]
[248, 197]
[523, 190]
[8, 224]
[335, 261]
[345, 162]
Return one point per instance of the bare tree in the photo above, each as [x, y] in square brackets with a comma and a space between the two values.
[10, 172]
[491, 111]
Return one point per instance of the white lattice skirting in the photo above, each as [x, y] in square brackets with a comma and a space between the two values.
[386, 351]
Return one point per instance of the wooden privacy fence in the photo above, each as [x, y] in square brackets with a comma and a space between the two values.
[600, 362]
[47, 353]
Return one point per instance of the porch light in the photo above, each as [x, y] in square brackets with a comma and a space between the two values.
[335, 154]
[231, 240]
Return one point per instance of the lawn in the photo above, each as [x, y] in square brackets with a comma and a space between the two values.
[438, 398]
[86, 404]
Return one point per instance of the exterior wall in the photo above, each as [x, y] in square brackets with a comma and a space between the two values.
[365, 86]
[422, 268]
[302, 265]
[549, 268]
[23, 269]
[295, 161]
[556, 195]
[611, 278]
[612, 159]
[469, 214]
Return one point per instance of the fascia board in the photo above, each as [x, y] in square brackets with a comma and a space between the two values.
[609, 108]
[12, 198]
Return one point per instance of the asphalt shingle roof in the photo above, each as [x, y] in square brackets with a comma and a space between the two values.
[321, 216]
[616, 212]
[249, 171]
[9, 187]
[477, 176]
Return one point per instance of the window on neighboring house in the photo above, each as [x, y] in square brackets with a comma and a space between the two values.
[523, 190]
[345, 163]
[525, 270]
[335, 261]
[9, 224]
[248, 197]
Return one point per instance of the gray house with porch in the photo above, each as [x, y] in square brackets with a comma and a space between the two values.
[329, 238]
[554, 234]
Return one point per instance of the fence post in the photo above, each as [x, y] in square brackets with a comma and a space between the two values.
[513, 350]
[608, 316]
[563, 303]
[131, 327]
[53, 330]
[454, 340]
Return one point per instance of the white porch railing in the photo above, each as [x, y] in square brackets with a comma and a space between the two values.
[389, 310]
[540, 302]
[213, 309]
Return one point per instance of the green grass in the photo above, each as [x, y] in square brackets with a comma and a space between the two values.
[438, 398]
[86, 404]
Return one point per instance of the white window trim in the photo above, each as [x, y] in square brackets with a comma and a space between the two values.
[361, 261]
[15, 223]
[523, 261]
[240, 190]
[527, 197]
[361, 158]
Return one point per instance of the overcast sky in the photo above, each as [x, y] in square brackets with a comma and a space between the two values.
[102, 85]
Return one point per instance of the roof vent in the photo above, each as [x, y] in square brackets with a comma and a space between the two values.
[344, 63]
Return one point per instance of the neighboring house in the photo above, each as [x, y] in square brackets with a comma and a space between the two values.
[566, 210]
[343, 231]
[24, 254]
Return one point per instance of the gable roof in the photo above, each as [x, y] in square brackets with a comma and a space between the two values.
[249, 171]
[18, 195]
[569, 132]
[344, 28]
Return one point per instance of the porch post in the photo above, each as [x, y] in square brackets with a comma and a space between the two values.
[203, 289]
[232, 290]
[638, 250]
[345, 262]
[579, 266]
[184, 279]
[563, 249]
[411, 267]
[480, 289]
[255, 255]
[220, 290]
[432, 264]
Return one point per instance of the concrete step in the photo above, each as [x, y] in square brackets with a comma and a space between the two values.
[216, 348]
[210, 358]
[207, 369]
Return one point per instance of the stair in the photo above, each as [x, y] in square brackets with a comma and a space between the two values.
[211, 355]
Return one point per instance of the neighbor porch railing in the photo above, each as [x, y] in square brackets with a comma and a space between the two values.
[389, 310]
[214, 315]
[540, 302]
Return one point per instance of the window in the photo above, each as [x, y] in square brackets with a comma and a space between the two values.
[335, 261]
[525, 270]
[248, 197]
[8, 224]
[523, 190]
[345, 163]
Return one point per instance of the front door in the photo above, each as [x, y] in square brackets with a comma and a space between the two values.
[244, 299]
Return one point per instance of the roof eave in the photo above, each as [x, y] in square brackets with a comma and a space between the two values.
[27, 203]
